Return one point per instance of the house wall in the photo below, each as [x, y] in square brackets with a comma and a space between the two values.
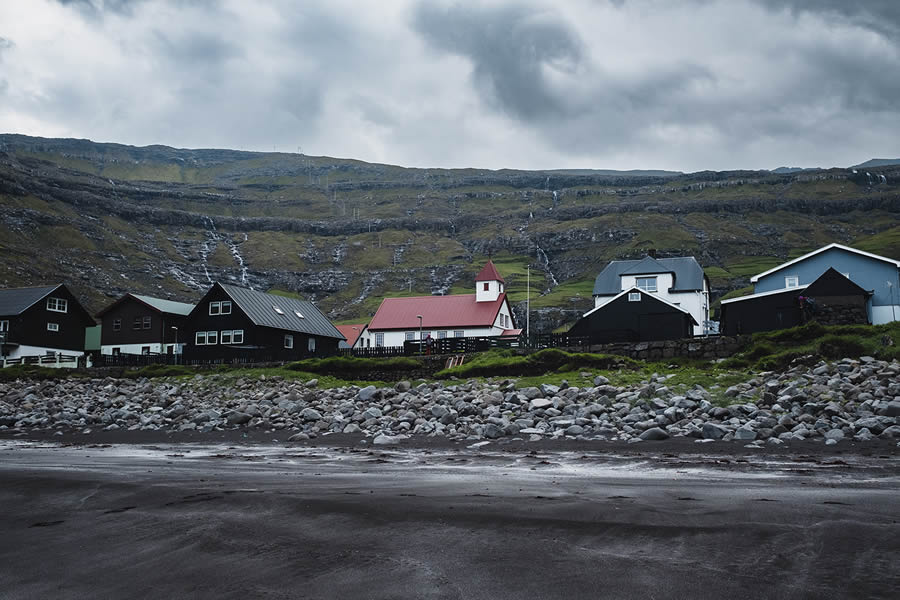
[130, 340]
[778, 311]
[695, 302]
[868, 273]
[623, 320]
[29, 329]
[495, 288]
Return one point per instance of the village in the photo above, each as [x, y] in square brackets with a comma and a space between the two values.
[651, 299]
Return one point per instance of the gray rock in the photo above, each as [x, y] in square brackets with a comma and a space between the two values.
[402, 386]
[744, 433]
[367, 393]
[310, 414]
[238, 418]
[601, 380]
[711, 431]
[654, 433]
[834, 434]
[492, 431]
[298, 437]
[574, 430]
[382, 439]
[538, 403]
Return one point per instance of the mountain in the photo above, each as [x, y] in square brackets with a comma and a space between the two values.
[877, 162]
[110, 218]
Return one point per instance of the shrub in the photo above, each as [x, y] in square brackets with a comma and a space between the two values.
[345, 365]
[507, 363]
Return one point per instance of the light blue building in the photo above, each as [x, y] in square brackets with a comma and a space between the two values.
[877, 274]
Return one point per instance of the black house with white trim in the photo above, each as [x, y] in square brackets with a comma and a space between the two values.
[635, 316]
[232, 323]
[37, 321]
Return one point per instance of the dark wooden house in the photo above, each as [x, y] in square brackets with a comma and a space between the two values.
[37, 321]
[136, 324]
[236, 324]
[832, 299]
[635, 316]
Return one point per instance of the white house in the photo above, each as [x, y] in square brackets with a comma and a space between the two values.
[485, 313]
[678, 281]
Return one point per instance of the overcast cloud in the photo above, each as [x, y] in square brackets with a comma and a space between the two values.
[623, 84]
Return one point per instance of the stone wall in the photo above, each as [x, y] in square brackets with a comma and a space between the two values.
[840, 314]
[698, 347]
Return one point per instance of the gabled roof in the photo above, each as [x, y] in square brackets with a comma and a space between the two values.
[687, 272]
[832, 282]
[158, 304]
[438, 312]
[799, 288]
[351, 332]
[896, 263]
[15, 301]
[259, 308]
[489, 273]
[647, 266]
[643, 293]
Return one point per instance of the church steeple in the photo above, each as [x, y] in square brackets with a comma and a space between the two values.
[488, 284]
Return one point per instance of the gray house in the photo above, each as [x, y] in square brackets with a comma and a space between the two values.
[678, 281]
[876, 274]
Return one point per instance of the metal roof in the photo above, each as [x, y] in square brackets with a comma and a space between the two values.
[351, 332]
[643, 293]
[688, 274]
[438, 312]
[798, 288]
[896, 263]
[260, 308]
[15, 301]
[167, 306]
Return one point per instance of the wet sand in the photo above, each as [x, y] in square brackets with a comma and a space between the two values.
[226, 518]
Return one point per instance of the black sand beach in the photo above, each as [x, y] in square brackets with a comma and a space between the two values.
[226, 518]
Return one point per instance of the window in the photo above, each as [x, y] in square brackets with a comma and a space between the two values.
[215, 308]
[442, 335]
[487, 285]
[212, 338]
[379, 340]
[278, 310]
[791, 282]
[297, 312]
[459, 334]
[237, 336]
[57, 304]
[634, 296]
[52, 326]
[4, 326]
[136, 324]
[226, 307]
[116, 351]
[410, 336]
[145, 349]
[117, 324]
[647, 284]
[147, 321]
[311, 344]
[200, 338]
[288, 341]
[226, 337]
[424, 334]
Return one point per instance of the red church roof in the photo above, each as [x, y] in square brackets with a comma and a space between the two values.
[489, 273]
[438, 312]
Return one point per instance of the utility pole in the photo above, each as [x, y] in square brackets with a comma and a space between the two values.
[528, 307]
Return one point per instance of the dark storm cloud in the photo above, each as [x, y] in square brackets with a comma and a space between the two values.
[509, 48]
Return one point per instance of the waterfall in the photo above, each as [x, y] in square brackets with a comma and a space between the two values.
[545, 261]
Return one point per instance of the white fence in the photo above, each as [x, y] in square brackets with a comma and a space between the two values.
[53, 361]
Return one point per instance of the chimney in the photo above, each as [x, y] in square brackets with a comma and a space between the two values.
[651, 252]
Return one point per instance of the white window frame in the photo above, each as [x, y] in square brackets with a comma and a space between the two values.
[297, 312]
[791, 281]
[53, 327]
[117, 325]
[200, 338]
[57, 304]
[288, 341]
[459, 333]
[225, 336]
[442, 335]
[648, 289]
[424, 335]
[147, 322]
[278, 310]
[212, 338]
[379, 340]
[634, 296]
[410, 336]
[226, 307]
[215, 308]
[145, 350]
[235, 334]
[311, 344]
[4, 326]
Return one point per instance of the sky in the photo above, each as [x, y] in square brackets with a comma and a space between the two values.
[685, 85]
